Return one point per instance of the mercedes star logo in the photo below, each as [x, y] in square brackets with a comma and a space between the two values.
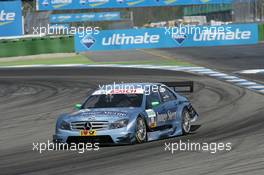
[87, 126]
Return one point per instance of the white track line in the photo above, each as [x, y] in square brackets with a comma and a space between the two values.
[252, 71]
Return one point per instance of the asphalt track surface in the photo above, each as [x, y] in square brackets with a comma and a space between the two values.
[224, 58]
[31, 99]
[230, 59]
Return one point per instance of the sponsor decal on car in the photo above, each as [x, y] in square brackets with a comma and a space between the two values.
[119, 91]
[87, 132]
[166, 116]
[100, 113]
[152, 118]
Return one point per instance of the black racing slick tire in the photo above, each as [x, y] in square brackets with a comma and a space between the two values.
[141, 130]
[186, 122]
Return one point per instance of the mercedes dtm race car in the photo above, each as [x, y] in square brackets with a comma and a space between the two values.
[128, 115]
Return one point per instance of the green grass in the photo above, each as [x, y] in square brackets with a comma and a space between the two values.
[80, 59]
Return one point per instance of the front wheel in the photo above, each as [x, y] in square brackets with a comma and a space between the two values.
[141, 130]
[186, 122]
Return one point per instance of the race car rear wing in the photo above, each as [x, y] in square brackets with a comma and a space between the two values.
[180, 86]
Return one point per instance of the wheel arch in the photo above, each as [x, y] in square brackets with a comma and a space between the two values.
[180, 109]
[145, 120]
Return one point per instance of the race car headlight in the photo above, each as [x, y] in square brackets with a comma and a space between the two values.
[119, 124]
[65, 125]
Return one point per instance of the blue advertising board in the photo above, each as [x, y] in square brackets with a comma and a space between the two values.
[82, 17]
[91, 4]
[10, 18]
[59, 26]
[234, 34]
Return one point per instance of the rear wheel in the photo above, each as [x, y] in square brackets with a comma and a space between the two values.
[186, 122]
[141, 130]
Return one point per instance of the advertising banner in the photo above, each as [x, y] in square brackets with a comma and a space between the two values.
[82, 17]
[10, 18]
[186, 36]
[91, 4]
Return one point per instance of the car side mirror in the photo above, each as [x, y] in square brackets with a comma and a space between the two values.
[78, 106]
[155, 104]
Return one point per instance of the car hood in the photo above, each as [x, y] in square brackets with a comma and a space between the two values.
[102, 114]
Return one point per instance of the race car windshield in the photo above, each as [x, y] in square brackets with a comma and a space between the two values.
[114, 101]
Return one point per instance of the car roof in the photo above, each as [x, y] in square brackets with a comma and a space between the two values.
[128, 87]
[133, 84]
